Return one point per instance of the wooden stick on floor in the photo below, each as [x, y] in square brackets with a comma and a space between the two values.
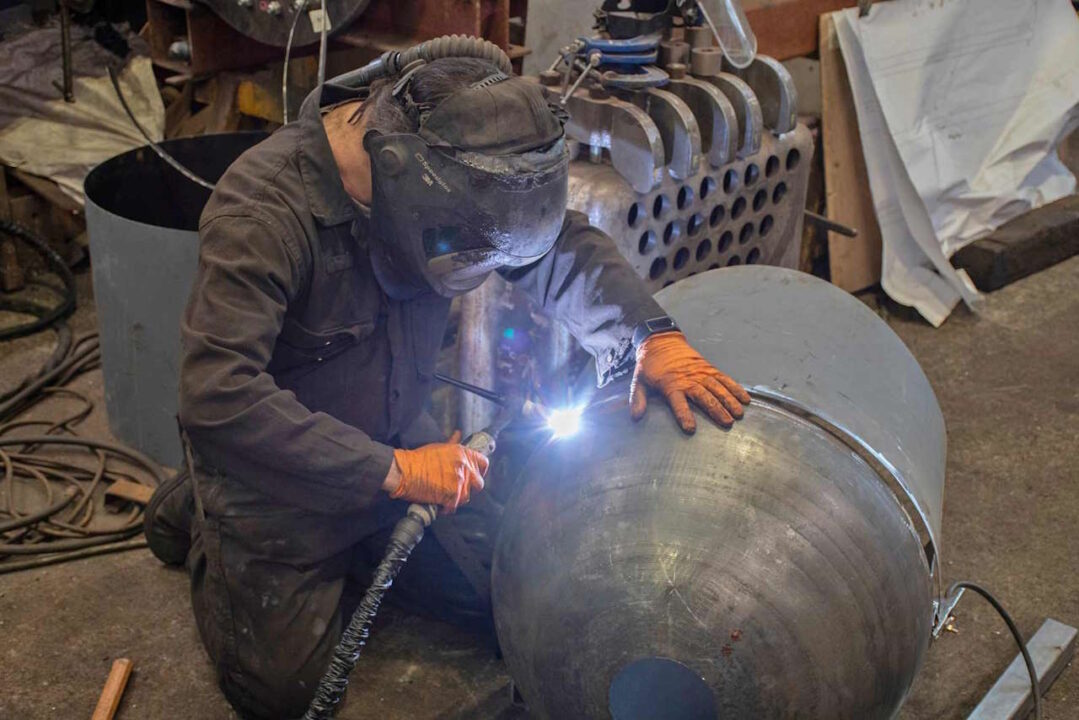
[113, 690]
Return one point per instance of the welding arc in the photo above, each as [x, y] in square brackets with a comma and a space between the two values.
[63, 529]
[45, 316]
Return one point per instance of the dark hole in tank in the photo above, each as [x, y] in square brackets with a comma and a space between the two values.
[657, 687]
[140, 186]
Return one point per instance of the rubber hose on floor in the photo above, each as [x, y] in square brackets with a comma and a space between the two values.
[331, 688]
[45, 316]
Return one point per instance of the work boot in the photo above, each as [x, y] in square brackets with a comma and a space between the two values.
[167, 523]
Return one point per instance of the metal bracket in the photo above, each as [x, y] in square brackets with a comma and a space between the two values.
[942, 611]
[747, 108]
[633, 139]
[716, 118]
[677, 127]
[774, 87]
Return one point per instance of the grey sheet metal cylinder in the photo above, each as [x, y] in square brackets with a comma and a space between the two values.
[142, 217]
[767, 571]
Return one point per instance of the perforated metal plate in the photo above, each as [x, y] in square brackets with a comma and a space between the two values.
[746, 212]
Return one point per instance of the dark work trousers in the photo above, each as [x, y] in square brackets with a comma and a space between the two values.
[273, 586]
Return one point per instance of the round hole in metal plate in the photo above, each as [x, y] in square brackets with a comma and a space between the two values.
[753, 257]
[685, 197]
[746, 233]
[680, 258]
[718, 213]
[759, 200]
[725, 241]
[766, 225]
[659, 266]
[793, 157]
[738, 208]
[656, 687]
[771, 167]
[753, 173]
[671, 232]
[696, 222]
[735, 260]
[647, 243]
[779, 192]
[730, 181]
[634, 214]
[703, 248]
[660, 205]
[708, 186]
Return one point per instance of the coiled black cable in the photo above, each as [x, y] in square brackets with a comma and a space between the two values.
[1034, 690]
[45, 315]
[331, 688]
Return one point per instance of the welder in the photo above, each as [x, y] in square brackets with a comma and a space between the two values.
[329, 254]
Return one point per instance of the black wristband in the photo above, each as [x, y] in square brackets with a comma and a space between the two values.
[653, 326]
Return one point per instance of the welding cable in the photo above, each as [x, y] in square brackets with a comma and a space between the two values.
[180, 168]
[1034, 689]
[65, 528]
[45, 316]
[331, 688]
[36, 562]
[391, 62]
[322, 45]
[288, 51]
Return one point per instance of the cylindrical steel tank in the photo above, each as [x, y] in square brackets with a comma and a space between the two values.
[767, 571]
[142, 217]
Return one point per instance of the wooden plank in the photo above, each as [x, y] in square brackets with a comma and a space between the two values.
[130, 491]
[788, 28]
[109, 701]
[854, 262]
[1022, 246]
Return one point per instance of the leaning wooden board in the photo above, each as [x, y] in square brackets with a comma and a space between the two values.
[854, 262]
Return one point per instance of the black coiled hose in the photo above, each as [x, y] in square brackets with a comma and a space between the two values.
[45, 315]
[331, 688]
[391, 62]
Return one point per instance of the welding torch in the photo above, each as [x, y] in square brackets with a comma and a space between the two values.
[406, 534]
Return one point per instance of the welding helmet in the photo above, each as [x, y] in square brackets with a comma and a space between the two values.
[480, 186]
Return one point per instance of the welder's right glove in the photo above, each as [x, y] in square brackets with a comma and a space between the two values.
[441, 473]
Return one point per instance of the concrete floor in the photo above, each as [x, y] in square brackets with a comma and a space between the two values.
[1007, 382]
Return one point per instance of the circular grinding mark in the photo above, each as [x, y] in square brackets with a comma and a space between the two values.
[658, 688]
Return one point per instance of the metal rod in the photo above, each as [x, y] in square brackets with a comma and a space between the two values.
[65, 48]
[474, 389]
[831, 225]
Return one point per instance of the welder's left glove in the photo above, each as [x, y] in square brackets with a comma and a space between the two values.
[669, 364]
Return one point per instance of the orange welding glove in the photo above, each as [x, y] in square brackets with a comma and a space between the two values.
[441, 473]
[669, 364]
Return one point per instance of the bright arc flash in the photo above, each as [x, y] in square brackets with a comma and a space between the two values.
[565, 422]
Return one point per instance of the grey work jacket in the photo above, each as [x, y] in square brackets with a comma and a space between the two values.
[298, 372]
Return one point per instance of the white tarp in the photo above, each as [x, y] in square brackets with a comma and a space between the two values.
[961, 104]
[44, 135]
